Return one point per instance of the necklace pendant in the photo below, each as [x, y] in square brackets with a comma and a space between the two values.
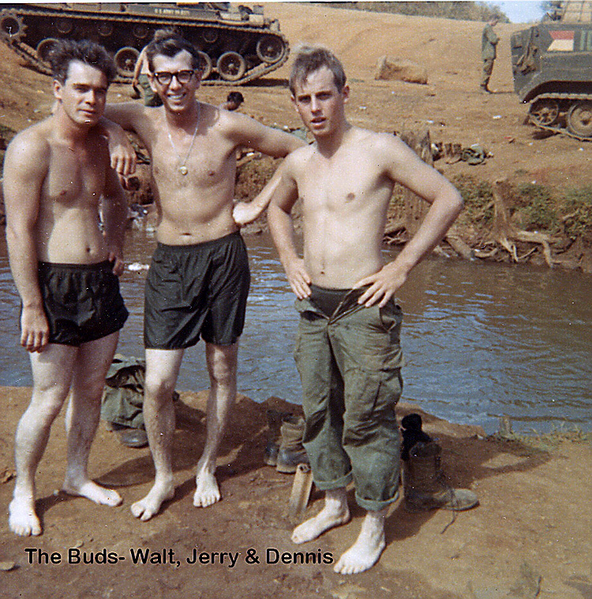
[183, 169]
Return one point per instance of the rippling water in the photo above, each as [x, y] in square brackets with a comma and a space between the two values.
[480, 340]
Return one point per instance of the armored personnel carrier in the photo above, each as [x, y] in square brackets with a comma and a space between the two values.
[552, 68]
[237, 44]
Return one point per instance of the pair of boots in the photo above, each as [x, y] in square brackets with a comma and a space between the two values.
[424, 482]
[284, 448]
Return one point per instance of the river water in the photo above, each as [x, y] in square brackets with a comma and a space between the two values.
[481, 340]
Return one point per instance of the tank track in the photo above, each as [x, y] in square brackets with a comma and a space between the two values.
[561, 97]
[29, 54]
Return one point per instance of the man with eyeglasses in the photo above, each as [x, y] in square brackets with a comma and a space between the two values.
[199, 277]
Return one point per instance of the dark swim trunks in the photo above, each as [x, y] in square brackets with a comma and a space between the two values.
[82, 302]
[196, 290]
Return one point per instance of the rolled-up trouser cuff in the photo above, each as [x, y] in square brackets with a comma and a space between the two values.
[375, 506]
[338, 483]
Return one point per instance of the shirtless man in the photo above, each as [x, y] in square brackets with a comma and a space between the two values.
[57, 180]
[199, 278]
[348, 351]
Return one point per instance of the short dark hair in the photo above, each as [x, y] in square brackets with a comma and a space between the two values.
[310, 59]
[235, 97]
[65, 51]
[169, 43]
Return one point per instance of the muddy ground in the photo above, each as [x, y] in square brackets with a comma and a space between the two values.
[530, 537]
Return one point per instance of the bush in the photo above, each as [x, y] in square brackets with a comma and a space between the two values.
[537, 208]
[478, 198]
[576, 210]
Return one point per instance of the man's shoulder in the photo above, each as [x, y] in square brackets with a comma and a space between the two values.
[375, 140]
[227, 120]
[300, 156]
[32, 140]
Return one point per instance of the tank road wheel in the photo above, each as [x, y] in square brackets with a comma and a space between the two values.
[44, 47]
[206, 64]
[209, 36]
[105, 29]
[140, 31]
[231, 66]
[270, 49]
[64, 26]
[11, 26]
[579, 119]
[544, 112]
[125, 60]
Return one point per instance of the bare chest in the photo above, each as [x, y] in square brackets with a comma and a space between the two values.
[201, 162]
[75, 176]
[347, 186]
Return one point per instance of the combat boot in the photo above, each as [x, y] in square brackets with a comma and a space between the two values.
[274, 436]
[291, 452]
[425, 484]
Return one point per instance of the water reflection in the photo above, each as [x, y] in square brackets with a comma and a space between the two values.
[480, 340]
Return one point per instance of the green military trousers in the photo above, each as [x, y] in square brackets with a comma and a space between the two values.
[350, 367]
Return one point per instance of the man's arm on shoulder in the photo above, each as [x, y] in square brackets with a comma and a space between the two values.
[403, 166]
[250, 133]
[25, 169]
[119, 118]
[114, 220]
[279, 218]
[244, 213]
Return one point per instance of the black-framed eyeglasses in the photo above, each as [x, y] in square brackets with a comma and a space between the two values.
[165, 77]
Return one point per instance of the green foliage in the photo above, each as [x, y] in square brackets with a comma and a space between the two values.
[534, 207]
[6, 135]
[466, 11]
[568, 212]
[478, 198]
[537, 208]
[576, 210]
[6, 132]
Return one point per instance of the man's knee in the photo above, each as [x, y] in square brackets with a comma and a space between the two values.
[222, 362]
[46, 403]
[158, 388]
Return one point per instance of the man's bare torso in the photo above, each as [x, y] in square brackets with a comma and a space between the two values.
[196, 206]
[67, 225]
[345, 199]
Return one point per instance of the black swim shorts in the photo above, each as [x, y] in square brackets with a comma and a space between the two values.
[196, 290]
[82, 302]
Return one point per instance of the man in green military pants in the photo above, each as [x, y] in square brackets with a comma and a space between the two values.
[489, 41]
[348, 351]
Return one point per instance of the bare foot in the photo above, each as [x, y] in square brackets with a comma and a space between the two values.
[150, 505]
[94, 492]
[364, 553]
[22, 518]
[207, 492]
[335, 513]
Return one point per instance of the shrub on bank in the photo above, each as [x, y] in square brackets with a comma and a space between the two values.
[533, 207]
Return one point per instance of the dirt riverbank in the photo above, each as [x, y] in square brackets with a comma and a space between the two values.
[530, 536]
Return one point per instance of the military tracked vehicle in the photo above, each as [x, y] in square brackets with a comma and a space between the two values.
[237, 44]
[552, 68]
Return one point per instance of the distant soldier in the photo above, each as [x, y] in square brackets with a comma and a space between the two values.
[233, 101]
[142, 71]
[489, 41]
